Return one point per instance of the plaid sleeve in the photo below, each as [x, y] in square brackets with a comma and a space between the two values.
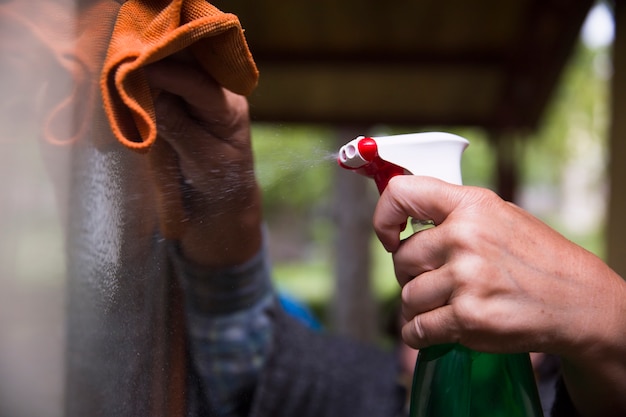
[229, 321]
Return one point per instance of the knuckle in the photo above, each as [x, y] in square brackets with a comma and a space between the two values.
[393, 184]
[419, 329]
[469, 271]
[408, 303]
[405, 294]
[402, 277]
[472, 316]
[463, 234]
[413, 333]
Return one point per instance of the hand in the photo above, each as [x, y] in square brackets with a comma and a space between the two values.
[491, 276]
[203, 165]
[494, 278]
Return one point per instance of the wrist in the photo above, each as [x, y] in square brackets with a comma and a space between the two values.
[594, 370]
[221, 290]
[226, 236]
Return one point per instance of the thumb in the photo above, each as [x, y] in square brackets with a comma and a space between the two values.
[422, 198]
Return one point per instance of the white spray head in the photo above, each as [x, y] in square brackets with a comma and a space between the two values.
[433, 154]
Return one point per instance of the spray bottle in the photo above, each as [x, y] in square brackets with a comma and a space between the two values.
[449, 380]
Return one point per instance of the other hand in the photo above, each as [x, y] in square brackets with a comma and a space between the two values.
[204, 165]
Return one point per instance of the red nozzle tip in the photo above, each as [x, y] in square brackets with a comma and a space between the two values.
[368, 149]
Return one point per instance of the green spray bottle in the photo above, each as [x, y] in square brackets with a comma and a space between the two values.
[449, 380]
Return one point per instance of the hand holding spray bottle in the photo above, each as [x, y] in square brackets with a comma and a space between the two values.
[449, 380]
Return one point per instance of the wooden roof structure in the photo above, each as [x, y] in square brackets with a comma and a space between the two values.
[483, 63]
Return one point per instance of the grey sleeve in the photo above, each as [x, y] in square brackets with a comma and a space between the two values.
[315, 374]
[563, 406]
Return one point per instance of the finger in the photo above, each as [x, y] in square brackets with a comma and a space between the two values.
[172, 118]
[186, 80]
[426, 292]
[434, 327]
[423, 251]
[195, 145]
[422, 198]
[180, 131]
[216, 109]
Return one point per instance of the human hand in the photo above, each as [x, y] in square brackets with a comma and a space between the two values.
[492, 277]
[203, 165]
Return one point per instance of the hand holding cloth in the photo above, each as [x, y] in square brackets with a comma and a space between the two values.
[147, 31]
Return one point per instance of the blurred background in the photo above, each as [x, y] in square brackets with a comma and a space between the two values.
[552, 162]
[561, 168]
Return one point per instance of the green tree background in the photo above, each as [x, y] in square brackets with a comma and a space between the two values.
[295, 166]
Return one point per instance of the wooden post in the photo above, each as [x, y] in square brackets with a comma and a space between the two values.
[354, 307]
[507, 167]
[616, 220]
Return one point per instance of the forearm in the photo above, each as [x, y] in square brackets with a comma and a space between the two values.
[226, 228]
[594, 367]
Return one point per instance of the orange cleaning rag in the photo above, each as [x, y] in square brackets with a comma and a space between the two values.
[149, 30]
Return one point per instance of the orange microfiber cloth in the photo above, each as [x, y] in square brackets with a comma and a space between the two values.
[146, 31]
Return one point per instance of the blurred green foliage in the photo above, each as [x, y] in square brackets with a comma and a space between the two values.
[295, 165]
[580, 104]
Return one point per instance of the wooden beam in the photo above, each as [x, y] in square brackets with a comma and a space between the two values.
[507, 171]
